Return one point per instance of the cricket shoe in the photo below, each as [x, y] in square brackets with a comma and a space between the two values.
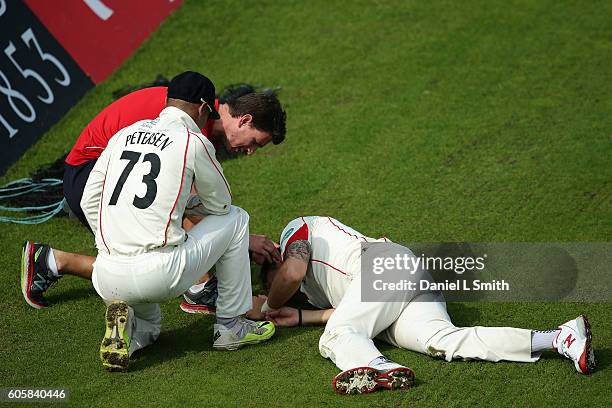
[115, 346]
[202, 302]
[363, 380]
[574, 341]
[244, 333]
[36, 277]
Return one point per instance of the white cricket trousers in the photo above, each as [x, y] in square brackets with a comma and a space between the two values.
[156, 276]
[420, 325]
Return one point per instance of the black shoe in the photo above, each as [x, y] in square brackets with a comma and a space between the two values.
[36, 277]
[204, 302]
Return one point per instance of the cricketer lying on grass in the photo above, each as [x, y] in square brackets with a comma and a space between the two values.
[322, 259]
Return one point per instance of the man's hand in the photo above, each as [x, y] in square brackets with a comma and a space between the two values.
[263, 249]
[255, 313]
[284, 317]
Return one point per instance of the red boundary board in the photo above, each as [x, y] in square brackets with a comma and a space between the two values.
[101, 34]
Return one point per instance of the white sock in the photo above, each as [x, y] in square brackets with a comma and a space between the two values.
[51, 263]
[382, 363]
[378, 360]
[543, 340]
[196, 288]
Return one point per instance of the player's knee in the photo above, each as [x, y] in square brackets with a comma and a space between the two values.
[445, 342]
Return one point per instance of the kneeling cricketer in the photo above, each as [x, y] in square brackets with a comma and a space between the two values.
[322, 259]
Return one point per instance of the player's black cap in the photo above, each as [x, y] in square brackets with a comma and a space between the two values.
[195, 88]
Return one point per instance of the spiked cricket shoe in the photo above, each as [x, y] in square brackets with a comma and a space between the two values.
[574, 342]
[36, 277]
[363, 380]
[115, 346]
[244, 333]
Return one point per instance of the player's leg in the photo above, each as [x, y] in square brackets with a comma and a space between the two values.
[347, 341]
[131, 292]
[68, 263]
[42, 266]
[146, 326]
[75, 179]
[425, 326]
[223, 241]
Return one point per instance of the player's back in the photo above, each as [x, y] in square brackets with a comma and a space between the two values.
[150, 167]
[139, 105]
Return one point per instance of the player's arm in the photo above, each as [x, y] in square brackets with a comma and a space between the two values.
[289, 317]
[209, 182]
[290, 274]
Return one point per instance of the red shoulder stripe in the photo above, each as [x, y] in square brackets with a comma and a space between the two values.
[346, 232]
[179, 190]
[100, 209]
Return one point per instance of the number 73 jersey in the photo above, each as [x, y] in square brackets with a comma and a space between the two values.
[137, 192]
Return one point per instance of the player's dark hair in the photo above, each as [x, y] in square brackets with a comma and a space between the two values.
[234, 91]
[266, 110]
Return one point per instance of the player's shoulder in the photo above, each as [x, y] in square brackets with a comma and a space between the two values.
[141, 125]
[297, 229]
[201, 139]
[144, 95]
[146, 103]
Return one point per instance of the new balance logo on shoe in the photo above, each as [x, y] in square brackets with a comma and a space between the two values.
[569, 340]
[216, 336]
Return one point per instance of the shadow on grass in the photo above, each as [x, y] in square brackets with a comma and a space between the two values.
[196, 337]
[603, 357]
[70, 295]
[175, 343]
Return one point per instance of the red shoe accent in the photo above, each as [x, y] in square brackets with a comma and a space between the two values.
[29, 273]
[349, 373]
[197, 309]
[398, 378]
[568, 341]
[586, 365]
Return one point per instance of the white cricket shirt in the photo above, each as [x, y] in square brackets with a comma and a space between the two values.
[146, 173]
[335, 259]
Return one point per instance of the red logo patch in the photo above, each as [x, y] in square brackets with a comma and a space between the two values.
[569, 340]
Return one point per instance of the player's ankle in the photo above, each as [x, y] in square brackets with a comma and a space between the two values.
[52, 262]
[382, 363]
[542, 340]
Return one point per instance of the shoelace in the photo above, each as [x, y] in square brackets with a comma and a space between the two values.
[254, 326]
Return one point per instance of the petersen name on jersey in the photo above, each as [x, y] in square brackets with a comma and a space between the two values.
[149, 168]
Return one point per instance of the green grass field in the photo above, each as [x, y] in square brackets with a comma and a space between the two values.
[421, 121]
